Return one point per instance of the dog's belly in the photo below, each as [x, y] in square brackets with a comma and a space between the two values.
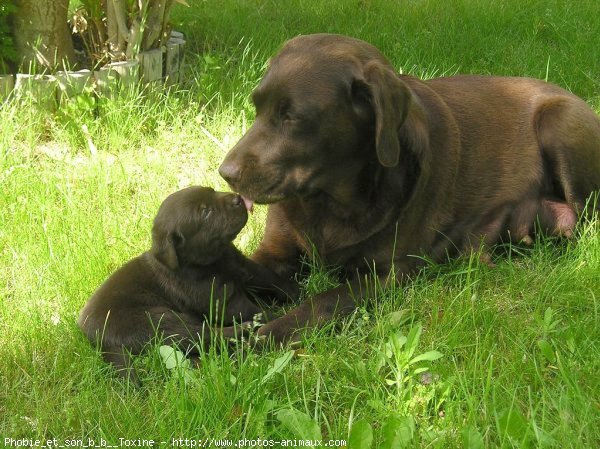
[405, 249]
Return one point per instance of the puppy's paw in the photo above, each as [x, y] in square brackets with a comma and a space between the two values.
[259, 343]
[237, 332]
[265, 342]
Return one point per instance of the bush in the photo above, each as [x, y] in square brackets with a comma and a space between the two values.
[7, 49]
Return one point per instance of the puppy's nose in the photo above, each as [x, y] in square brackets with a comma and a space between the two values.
[230, 172]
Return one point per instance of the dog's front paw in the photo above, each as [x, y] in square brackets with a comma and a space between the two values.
[270, 337]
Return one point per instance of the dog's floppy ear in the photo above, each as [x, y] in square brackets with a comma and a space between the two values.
[390, 100]
[164, 248]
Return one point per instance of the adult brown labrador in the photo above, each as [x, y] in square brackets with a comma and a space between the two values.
[192, 279]
[373, 168]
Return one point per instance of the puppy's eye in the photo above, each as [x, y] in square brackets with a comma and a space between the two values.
[205, 213]
[177, 239]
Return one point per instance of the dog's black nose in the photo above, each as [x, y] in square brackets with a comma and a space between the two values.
[230, 172]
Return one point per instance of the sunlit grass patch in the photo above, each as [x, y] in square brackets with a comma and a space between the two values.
[79, 190]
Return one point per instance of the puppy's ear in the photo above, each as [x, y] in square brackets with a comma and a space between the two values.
[164, 248]
[390, 100]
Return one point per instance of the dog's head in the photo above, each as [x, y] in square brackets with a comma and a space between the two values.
[327, 106]
[194, 226]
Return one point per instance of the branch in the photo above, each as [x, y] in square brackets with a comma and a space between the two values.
[154, 24]
[116, 18]
[136, 33]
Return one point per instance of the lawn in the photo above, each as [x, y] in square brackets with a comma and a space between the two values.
[519, 343]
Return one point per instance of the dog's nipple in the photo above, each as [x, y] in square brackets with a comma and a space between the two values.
[249, 204]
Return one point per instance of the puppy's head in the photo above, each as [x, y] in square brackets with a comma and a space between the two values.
[327, 107]
[194, 226]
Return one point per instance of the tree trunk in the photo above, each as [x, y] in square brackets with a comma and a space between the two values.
[116, 22]
[41, 33]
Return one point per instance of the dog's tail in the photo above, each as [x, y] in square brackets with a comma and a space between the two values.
[568, 132]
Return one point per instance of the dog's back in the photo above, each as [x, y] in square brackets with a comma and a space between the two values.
[527, 134]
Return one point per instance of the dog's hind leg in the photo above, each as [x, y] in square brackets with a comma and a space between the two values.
[131, 332]
[521, 221]
[555, 218]
[191, 333]
[484, 235]
[568, 134]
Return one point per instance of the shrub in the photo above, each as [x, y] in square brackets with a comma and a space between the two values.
[7, 49]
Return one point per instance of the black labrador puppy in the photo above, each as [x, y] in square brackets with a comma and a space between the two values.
[192, 279]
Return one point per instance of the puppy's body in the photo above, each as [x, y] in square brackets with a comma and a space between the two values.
[378, 170]
[192, 281]
[144, 297]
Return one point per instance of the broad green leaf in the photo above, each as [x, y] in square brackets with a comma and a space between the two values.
[544, 438]
[265, 409]
[430, 436]
[278, 365]
[397, 318]
[413, 339]
[187, 375]
[398, 432]
[547, 350]
[430, 356]
[361, 435]
[396, 342]
[299, 424]
[377, 405]
[512, 423]
[420, 370]
[172, 358]
[472, 439]
[548, 314]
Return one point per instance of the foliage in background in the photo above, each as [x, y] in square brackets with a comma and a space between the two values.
[89, 22]
[8, 55]
[116, 30]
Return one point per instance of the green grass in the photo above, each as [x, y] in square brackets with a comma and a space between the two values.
[519, 342]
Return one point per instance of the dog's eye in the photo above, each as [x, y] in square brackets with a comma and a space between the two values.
[205, 212]
[289, 122]
[284, 111]
[289, 119]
